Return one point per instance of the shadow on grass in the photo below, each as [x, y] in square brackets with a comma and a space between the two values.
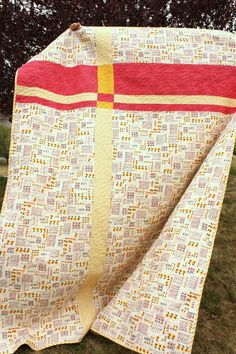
[91, 344]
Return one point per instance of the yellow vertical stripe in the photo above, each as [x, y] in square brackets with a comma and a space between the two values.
[102, 178]
[102, 104]
[105, 79]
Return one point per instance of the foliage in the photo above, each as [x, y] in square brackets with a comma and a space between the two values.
[29, 26]
[5, 137]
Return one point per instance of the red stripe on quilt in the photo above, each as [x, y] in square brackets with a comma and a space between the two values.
[175, 79]
[108, 97]
[131, 79]
[58, 78]
[52, 104]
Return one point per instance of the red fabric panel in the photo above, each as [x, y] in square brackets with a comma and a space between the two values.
[175, 79]
[107, 97]
[58, 78]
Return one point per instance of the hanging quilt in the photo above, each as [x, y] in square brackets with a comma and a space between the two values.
[121, 144]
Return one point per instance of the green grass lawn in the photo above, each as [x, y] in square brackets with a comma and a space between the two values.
[216, 328]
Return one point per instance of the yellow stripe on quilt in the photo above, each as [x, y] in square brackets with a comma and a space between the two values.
[105, 78]
[102, 178]
[55, 97]
[176, 99]
[106, 85]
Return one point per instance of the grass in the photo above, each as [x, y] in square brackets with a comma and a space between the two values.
[216, 327]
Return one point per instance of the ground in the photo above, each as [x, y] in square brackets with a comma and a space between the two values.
[216, 328]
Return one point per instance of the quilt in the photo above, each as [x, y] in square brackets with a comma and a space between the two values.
[121, 144]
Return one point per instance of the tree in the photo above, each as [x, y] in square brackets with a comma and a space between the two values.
[29, 26]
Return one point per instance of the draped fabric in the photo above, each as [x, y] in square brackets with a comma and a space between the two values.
[121, 144]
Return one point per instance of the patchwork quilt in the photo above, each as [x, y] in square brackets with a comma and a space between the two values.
[121, 144]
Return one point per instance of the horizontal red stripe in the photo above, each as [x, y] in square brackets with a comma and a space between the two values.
[174, 79]
[133, 78]
[174, 107]
[108, 97]
[58, 78]
[60, 106]
[124, 106]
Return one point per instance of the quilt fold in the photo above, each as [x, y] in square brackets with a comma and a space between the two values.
[121, 145]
